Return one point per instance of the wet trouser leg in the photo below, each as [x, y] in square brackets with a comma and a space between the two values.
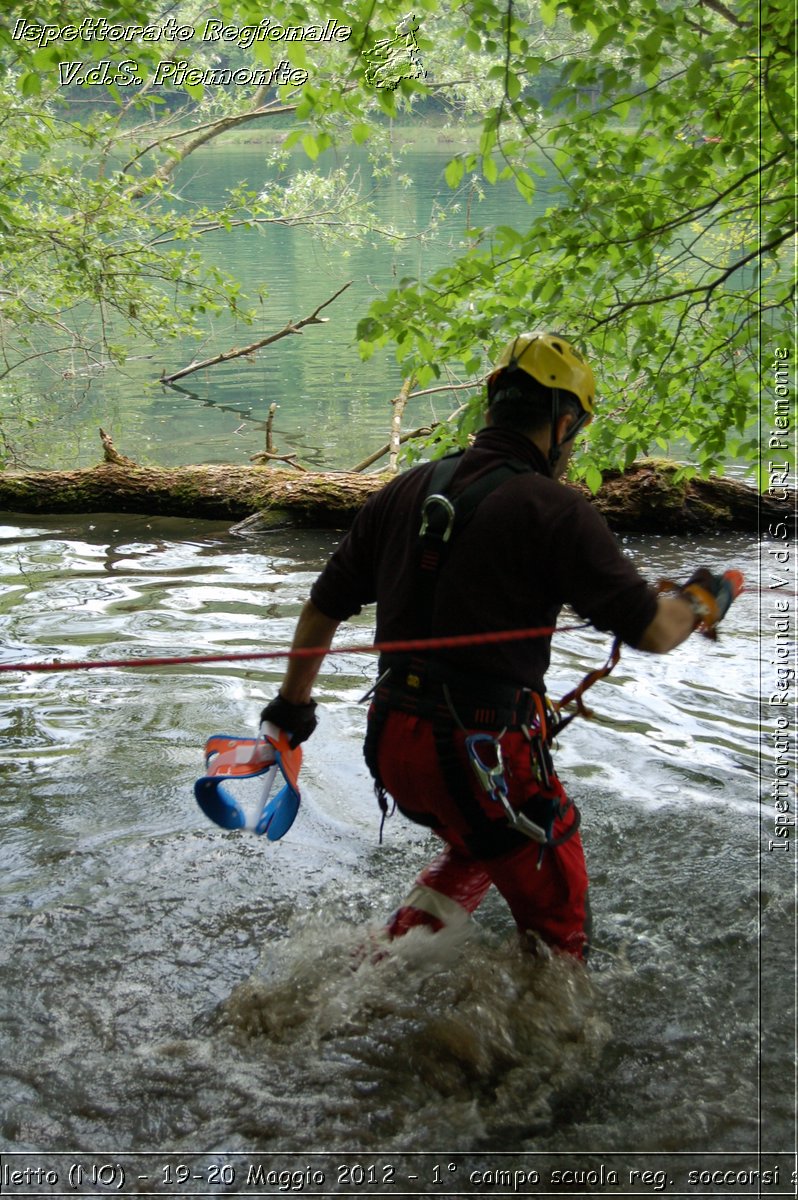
[546, 893]
[445, 893]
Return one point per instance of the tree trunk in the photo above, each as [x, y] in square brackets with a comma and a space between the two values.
[643, 499]
[279, 497]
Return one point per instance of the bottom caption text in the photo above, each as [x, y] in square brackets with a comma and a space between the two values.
[403, 1174]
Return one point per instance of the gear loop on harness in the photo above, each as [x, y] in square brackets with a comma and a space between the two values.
[493, 781]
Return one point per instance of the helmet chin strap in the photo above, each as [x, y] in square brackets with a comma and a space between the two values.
[555, 449]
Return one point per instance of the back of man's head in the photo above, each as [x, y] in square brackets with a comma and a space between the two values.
[517, 401]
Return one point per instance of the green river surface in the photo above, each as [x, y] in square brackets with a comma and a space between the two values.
[179, 1003]
[333, 409]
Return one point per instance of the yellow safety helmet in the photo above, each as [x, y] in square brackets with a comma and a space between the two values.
[552, 362]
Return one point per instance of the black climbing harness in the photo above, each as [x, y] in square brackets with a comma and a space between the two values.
[449, 699]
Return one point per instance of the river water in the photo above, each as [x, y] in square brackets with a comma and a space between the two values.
[169, 987]
[174, 990]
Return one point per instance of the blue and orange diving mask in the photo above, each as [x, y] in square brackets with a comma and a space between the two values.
[230, 762]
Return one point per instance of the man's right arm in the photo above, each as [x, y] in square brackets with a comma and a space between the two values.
[338, 593]
[703, 601]
[314, 630]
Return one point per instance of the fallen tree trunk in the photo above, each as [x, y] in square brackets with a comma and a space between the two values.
[214, 493]
[643, 499]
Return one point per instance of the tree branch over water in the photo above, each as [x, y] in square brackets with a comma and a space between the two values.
[286, 331]
[200, 135]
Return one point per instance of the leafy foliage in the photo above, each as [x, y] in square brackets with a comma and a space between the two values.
[663, 244]
[654, 145]
[100, 250]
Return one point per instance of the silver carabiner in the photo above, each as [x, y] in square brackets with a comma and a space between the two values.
[491, 778]
[494, 783]
[448, 508]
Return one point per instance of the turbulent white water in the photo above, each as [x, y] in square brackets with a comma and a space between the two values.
[171, 987]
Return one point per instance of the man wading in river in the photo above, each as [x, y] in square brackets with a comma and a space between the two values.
[485, 541]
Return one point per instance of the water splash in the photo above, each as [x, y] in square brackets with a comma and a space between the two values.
[439, 1032]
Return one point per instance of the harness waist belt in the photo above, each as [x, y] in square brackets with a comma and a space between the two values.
[429, 689]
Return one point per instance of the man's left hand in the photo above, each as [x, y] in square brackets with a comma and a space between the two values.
[297, 720]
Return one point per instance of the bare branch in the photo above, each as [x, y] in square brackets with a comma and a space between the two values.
[398, 403]
[208, 125]
[203, 134]
[228, 355]
[468, 386]
[291, 222]
[422, 431]
[269, 428]
[263, 456]
[111, 454]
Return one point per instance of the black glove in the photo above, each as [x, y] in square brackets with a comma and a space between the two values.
[297, 720]
[711, 595]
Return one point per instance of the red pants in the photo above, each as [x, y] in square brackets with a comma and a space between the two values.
[547, 894]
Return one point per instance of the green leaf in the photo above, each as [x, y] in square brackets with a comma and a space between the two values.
[548, 12]
[488, 138]
[292, 138]
[593, 478]
[310, 146]
[525, 186]
[455, 170]
[489, 169]
[368, 330]
[30, 84]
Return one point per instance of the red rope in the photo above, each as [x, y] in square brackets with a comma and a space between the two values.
[437, 643]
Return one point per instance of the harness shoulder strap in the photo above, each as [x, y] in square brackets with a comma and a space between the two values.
[469, 500]
[444, 516]
[437, 510]
[443, 472]
[466, 502]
